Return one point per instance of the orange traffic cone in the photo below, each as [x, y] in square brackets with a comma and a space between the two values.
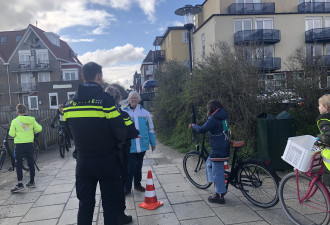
[150, 198]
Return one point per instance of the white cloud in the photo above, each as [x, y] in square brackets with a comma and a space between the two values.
[70, 40]
[122, 74]
[110, 57]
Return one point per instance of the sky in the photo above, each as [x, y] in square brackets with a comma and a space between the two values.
[117, 34]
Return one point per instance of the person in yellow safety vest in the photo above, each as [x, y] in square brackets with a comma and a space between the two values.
[323, 123]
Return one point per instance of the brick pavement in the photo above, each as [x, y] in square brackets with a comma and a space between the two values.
[54, 200]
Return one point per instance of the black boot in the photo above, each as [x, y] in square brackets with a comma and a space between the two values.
[125, 219]
[216, 198]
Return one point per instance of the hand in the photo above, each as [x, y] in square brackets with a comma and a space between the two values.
[191, 125]
[153, 148]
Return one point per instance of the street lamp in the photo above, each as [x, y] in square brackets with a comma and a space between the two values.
[188, 12]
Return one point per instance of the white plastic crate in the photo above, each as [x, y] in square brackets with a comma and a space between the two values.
[299, 152]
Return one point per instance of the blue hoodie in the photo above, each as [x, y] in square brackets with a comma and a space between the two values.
[217, 125]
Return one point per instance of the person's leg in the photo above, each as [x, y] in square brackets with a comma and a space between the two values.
[19, 153]
[29, 156]
[138, 169]
[130, 173]
[85, 188]
[209, 175]
[108, 174]
[219, 177]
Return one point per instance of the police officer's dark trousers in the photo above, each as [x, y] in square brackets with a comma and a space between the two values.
[105, 170]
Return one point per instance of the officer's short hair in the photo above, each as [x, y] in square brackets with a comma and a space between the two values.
[21, 109]
[90, 70]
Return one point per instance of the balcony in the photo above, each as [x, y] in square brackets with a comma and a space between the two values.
[28, 66]
[251, 8]
[23, 88]
[318, 35]
[320, 61]
[267, 64]
[158, 55]
[262, 36]
[314, 7]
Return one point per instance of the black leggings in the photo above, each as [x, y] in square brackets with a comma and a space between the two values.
[24, 150]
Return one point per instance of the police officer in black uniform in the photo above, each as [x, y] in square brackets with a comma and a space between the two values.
[98, 129]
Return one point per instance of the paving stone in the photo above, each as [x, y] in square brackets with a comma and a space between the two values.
[229, 198]
[192, 210]
[70, 216]
[255, 223]
[167, 170]
[66, 173]
[10, 221]
[160, 219]
[275, 216]
[175, 187]
[183, 197]
[52, 199]
[43, 213]
[241, 214]
[130, 204]
[170, 178]
[59, 189]
[63, 180]
[41, 222]
[73, 203]
[21, 198]
[14, 210]
[202, 221]
[165, 208]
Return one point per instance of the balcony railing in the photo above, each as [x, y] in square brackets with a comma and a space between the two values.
[158, 55]
[267, 64]
[314, 7]
[251, 8]
[23, 88]
[266, 36]
[318, 35]
[320, 61]
[27, 66]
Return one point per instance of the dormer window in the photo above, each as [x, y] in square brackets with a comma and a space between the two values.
[53, 38]
[18, 38]
[4, 39]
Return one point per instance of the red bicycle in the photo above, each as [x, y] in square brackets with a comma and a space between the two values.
[304, 197]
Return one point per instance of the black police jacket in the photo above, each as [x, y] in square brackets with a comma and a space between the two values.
[96, 125]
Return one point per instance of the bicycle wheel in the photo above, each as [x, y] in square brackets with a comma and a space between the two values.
[309, 211]
[195, 169]
[2, 158]
[258, 184]
[36, 151]
[61, 145]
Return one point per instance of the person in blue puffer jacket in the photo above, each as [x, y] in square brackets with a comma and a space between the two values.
[140, 145]
[217, 126]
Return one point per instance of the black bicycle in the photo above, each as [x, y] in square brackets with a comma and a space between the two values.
[5, 150]
[63, 142]
[253, 175]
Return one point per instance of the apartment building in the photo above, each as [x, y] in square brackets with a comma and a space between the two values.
[272, 29]
[37, 68]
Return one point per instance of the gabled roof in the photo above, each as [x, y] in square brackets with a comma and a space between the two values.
[159, 39]
[62, 52]
[148, 58]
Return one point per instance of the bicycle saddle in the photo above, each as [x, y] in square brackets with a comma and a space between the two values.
[236, 144]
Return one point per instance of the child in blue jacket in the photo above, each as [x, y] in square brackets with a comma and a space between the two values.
[217, 126]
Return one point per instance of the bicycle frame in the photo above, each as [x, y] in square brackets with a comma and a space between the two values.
[203, 154]
[316, 178]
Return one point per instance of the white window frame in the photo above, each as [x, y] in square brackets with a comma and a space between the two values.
[29, 98]
[327, 21]
[242, 24]
[24, 56]
[70, 93]
[314, 45]
[42, 55]
[185, 37]
[263, 22]
[42, 77]
[313, 18]
[49, 98]
[70, 71]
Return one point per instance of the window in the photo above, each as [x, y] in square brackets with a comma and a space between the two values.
[264, 23]
[327, 49]
[24, 58]
[27, 81]
[265, 52]
[71, 94]
[18, 38]
[248, 1]
[314, 50]
[185, 37]
[242, 24]
[186, 63]
[313, 23]
[327, 19]
[33, 102]
[25, 100]
[53, 101]
[203, 47]
[4, 39]
[42, 56]
[44, 77]
[328, 81]
[71, 74]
